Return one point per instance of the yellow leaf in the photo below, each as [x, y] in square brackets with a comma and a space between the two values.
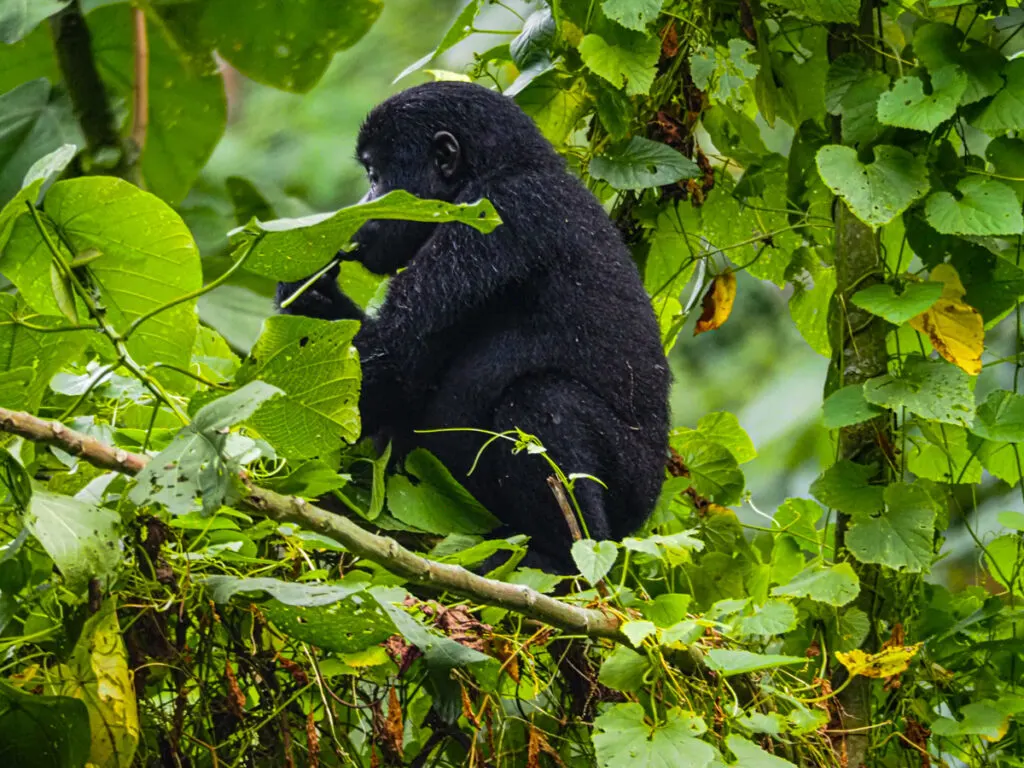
[954, 328]
[717, 302]
[370, 657]
[885, 663]
[98, 674]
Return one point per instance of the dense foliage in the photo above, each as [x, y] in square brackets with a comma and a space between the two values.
[864, 160]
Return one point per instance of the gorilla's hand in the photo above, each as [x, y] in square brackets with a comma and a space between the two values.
[323, 299]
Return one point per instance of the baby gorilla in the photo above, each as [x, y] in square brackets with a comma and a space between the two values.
[543, 324]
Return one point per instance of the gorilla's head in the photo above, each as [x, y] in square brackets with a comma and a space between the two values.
[435, 140]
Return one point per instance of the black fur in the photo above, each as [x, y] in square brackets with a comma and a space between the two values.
[543, 324]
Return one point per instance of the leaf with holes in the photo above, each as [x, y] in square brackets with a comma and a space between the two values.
[879, 191]
[293, 249]
[908, 106]
[623, 737]
[955, 328]
[931, 389]
[633, 14]
[641, 164]
[901, 536]
[83, 540]
[197, 462]
[315, 364]
[982, 207]
[626, 59]
[1005, 112]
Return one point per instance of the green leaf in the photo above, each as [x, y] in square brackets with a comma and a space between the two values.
[532, 46]
[293, 249]
[982, 207]
[834, 585]
[41, 353]
[187, 103]
[1006, 156]
[839, 11]
[907, 105]
[882, 300]
[940, 45]
[879, 191]
[638, 630]
[622, 737]
[33, 122]
[83, 540]
[986, 718]
[901, 536]
[286, 45]
[1005, 112]
[147, 258]
[1001, 417]
[847, 406]
[315, 364]
[624, 669]
[344, 626]
[38, 176]
[799, 518]
[198, 461]
[813, 286]
[223, 588]
[439, 651]
[1002, 559]
[19, 17]
[668, 608]
[641, 164]
[437, 503]
[42, 731]
[627, 59]
[556, 103]
[714, 473]
[460, 29]
[846, 486]
[750, 755]
[931, 389]
[775, 617]
[633, 14]
[724, 428]
[730, 663]
[594, 558]
[1011, 519]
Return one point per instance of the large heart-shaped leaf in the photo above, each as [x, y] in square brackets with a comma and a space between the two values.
[879, 191]
[626, 60]
[984, 207]
[908, 106]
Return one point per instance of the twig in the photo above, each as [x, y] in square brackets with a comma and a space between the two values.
[563, 504]
[382, 550]
[140, 110]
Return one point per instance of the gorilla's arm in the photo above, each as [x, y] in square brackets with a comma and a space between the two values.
[457, 272]
[323, 300]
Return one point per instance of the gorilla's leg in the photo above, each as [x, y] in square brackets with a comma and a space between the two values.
[571, 422]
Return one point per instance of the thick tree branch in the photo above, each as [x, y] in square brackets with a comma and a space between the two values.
[382, 550]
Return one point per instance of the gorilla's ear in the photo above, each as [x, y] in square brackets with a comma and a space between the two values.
[446, 153]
